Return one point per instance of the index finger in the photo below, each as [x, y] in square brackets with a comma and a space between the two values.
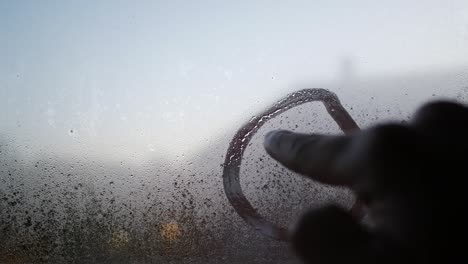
[312, 155]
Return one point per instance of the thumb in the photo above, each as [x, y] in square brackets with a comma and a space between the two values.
[331, 235]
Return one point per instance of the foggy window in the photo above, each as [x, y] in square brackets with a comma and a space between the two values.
[117, 116]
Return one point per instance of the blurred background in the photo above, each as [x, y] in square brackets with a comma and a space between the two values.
[116, 115]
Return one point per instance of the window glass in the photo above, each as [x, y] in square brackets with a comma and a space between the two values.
[117, 116]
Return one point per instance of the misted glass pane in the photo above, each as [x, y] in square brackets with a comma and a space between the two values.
[117, 116]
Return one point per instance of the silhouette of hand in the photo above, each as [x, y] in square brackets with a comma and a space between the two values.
[410, 177]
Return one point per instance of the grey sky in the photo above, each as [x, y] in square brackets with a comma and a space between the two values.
[169, 76]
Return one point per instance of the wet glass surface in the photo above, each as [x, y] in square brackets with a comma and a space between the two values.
[116, 116]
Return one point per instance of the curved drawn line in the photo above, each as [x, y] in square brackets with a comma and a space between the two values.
[242, 138]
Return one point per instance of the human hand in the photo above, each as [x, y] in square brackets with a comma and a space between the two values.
[410, 177]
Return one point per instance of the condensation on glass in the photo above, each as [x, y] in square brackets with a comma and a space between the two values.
[116, 116]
